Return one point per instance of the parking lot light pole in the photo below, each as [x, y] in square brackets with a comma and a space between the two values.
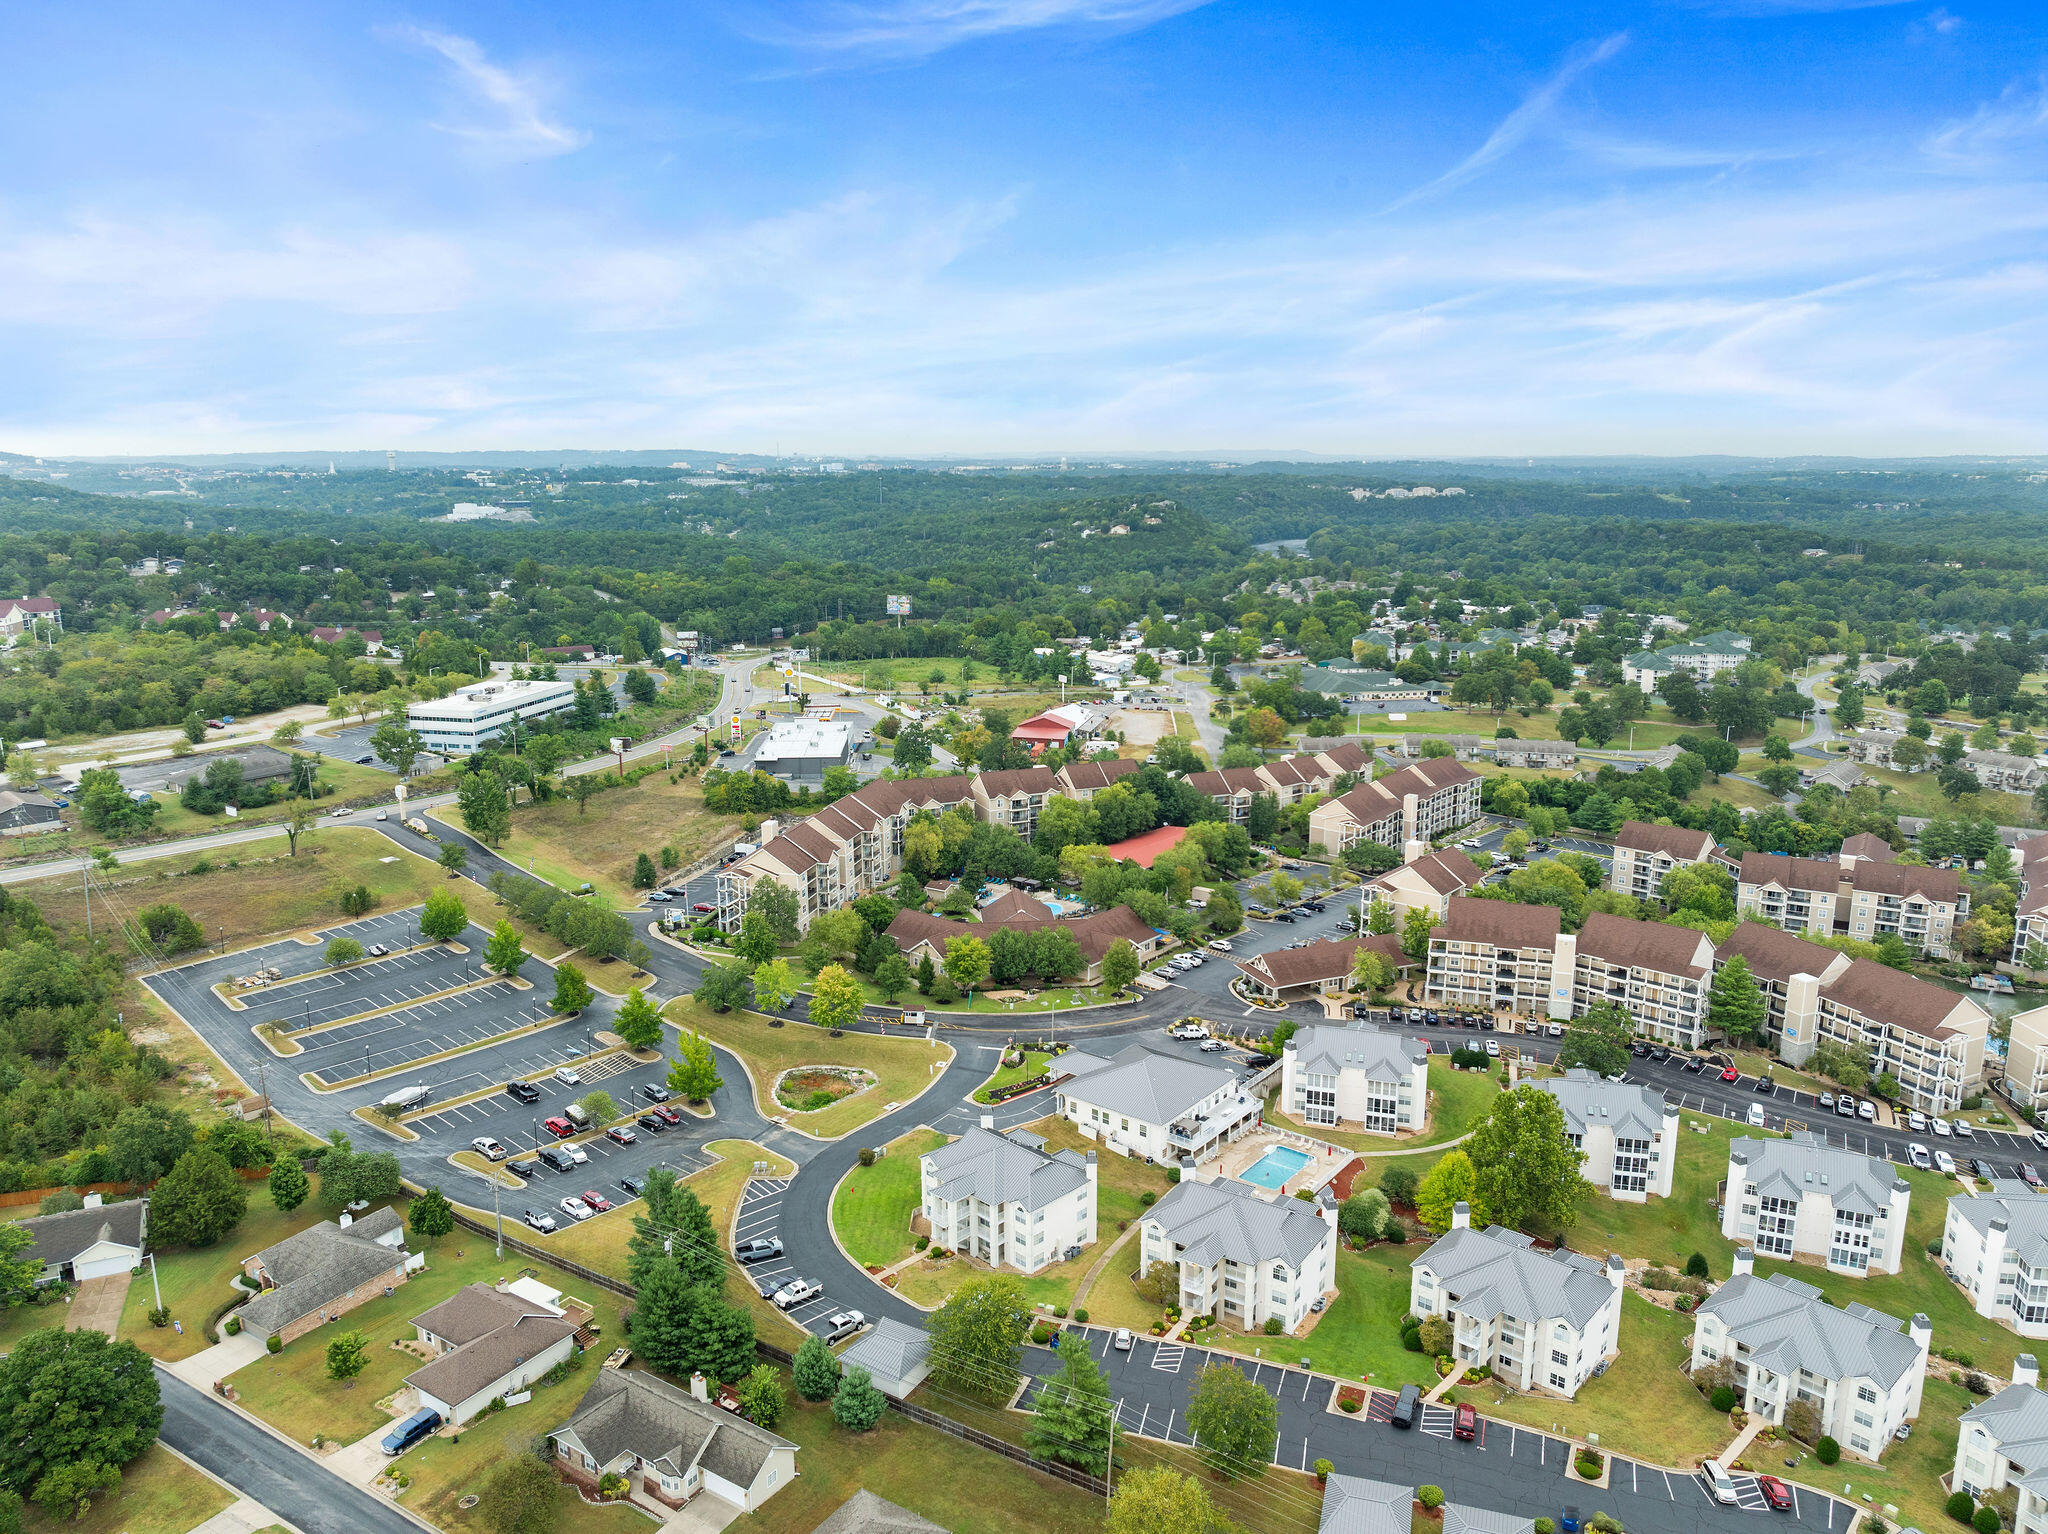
[497, 1213]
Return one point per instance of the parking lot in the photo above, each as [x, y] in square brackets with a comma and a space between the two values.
[376, 983]
[760, 1216]
[447, 1023]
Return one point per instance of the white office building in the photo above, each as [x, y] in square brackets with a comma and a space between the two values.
[1356, 1078]
[1859, 1368]
[1627, 1134]
[1800, 1197]
[1005, 1200]
[483, 711]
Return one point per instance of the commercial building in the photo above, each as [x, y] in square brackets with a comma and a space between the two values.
[1006, 1201]
[1627, 1134]
[485, 711]
[1241, 1256]
[1644, 854]
[1858, 1368]
[1356, 1078]
[1543, 1320]
[1800, 1197]
[1141, 1103]
[1321, 968]
[1412, 804]
[803, 748]
[259, 764]
[1995, 1245]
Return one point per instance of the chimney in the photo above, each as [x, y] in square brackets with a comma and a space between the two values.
[770, 829]
[698, 1390]
[1745, 1262]
[988, 1121]
[2025, 1371]
[1921, 1330]
[1461, 1215]
[1617, 1274]
[346, 1220]
[93, 1201]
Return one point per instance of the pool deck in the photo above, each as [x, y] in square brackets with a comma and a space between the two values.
[1240, 1156]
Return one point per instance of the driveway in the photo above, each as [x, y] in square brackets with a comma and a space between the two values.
[96, 1307]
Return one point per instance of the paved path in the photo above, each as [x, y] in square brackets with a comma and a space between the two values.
[96, 1307]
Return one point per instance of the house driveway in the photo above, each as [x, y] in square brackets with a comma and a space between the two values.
[702, 1514]
[96, 1307]
[218, 1361]
[362, 1461]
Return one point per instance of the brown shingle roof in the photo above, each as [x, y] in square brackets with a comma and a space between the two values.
[1318, 962]
[1814, 874]
[1023, 780]
[1867, 844]
[1673, 841]
[1230, 780]
[1647, 945]
[1900, 1000]
[1350, 756]
[1297, 770]
[493, 1334]
[1448, 872]
[1502, 923]
[1940, 884]
[1774, 954]
[1087, 777]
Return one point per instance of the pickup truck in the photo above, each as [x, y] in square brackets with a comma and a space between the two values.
[795, 1293]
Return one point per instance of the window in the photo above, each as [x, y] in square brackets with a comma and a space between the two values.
[1866, 1395]
[1557, 1382]
[1559, 1357]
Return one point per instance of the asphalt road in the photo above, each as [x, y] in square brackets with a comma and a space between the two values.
[305, 1494]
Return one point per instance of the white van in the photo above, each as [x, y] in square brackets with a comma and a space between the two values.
[1719, 1482]
[568, 1076]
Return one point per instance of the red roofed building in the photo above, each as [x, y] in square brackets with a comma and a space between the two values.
[1142, 849]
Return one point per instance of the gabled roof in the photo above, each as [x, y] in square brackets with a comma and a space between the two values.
[1900, 1000]
[628, 1410]
[321, 1264]
[1022, 780]
[1816, 875]
[1675, 842]
[1501, 923]
[1297, 770]
[1228, 780]
[1348, 756]
[1937, 884]
[1380, 1056]
[1787, 1326]
[1591, 1101]
[1330, 959]
[1867, 844]
[2024, 1212]
[493, 1334]
[1087, 777]
[2017, 1420]
[866, 1513]
[1651, 945]
[892, 1349]
[61, 1237]
[1354, 1505]
[1775, 954]
[998, 1169]
[1496, 1272]
[1223, 1221]
[1157, 1089]
[1448, 872]
[1803, 1163]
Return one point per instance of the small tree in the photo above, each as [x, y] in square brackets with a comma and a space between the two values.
[694, 1074]
[572, 990]
[644, 875]
[342, 951]
[504, 953]
[1119, 966]
[599, 1105]
[289, 1184]
[761, 1397]
[1073, 1420]
[519, 1498]
[1399, 1183]
[857, 1405]
[835, 998]
[815, 1372]
[1827, 1451]
[431, 1215]
[723, 987]
[1450, 1181]
[638, 1021]
[347, 1356]
[1696, 1265]
[198, 1201]
[1371, 972]
[774, 985]
[454, 857]
[1236, 1423]
[443, 918]
[1163, 1501]
[892, 976]
[978, 1336]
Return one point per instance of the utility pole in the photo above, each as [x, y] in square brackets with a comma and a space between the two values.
[85, 886]
[497, 1213]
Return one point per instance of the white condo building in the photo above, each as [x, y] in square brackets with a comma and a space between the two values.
[1005, 1200]
[1356, 1078]
[1138, 1102]
[1995, 1245]
[1627, 1134]
[483, 711]
[2004, 1442]
[1800, 1197]
[1241, 1255]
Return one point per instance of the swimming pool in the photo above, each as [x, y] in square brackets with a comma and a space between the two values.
[1274, 1168]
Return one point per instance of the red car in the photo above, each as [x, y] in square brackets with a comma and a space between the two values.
[666, 1114]
[560, 1128]
[1466, 1424]
[1775, 1492]
[621, 1135]
[597, 1201]
[704, 907]
[1731, 1074]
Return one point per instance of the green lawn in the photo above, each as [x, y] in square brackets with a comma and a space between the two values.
[871, 1209]
[1457, 1101]
[929, 1282]
[1120, 1181]
[1359, 1336]
[1668, 1230]
[1034, 1065]
[1911, 1473]
[159, 1494]
[291, 1390]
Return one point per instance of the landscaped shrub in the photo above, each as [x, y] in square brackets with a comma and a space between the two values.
[1605, 1523]
[233, 1326]
[160, 1316]
[1348, 1404]
[1060, 1311]
[1148, 1198]
[1273, 1326]
[1827, 1451]
[274, 1343]
[922, 1242]
[1323, 1468]
[1430, 1496]
[1173, 1174]
[1080, 1312]
[1659, 1279]
[1696, 1265]
[1934, 1247]
[1723, 1399]
[1960, 1506]
[867, 1152]
[1042, 1333]
[1986, 1520]
[1411, 1336]
[1545, 1526]
[1589, 1464]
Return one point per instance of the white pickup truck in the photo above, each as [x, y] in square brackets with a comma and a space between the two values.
[796, 1292]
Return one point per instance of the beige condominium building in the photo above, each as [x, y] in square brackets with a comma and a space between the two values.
[2026, 1058]
[1644, 854]
[1493, 955]
[1426, 883]
[1857, 894]
[1412, 804]
[1658, 974]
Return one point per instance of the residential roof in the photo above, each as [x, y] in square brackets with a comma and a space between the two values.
[321, 1264]
[1228, 780]
[1354, 1505]
[1381, 1056]
[891, 1348]
[1675, 842]
[1803, 1163]
[1775, 954]
[1652, 945]
[1788, 1326]
[1157, 1089]
[1021, 780]
[1013, 906]
[1297, 769]
[493, 1334]
[61, 1237]
[1000, 1169]
[1815, 874]
[1086, 777]
[866, 1513]
[2024, 1212]
[1348, 756]
[1448, 872]
[1501, 923]
[1226, 1221]
[2017, 1420]
[1096, 933]
[1497, 1272]
[1483, 1520]
[1330, 959]
[628, 1410]
[1375, 801]
[1889, 996]
[1936, 884]
[1868, 844]
[14, 799]
[1590, 1100]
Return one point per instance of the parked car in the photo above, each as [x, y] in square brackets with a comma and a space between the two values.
[2040, 1138]
[1259, 1062]
[1466, 1424]
[558, 1126]
[668, 1115]
[2030, 1176]
[1827, 1101]
[844, 1325]
[575, 1208]
[651, 1124]
[634, 1186]
[597, 1201]
[659, 897]
[1982, 1168]
[1493, 1048]
[797, 1291]
[568, 1076]
[411, 1430]
[1660, 1053]
[1220, 944]
[1944, 1163]
[760, 1249]
[654, 1092]
[540, 1222]
[1187, 1031]
[1213, 1046]
[557, 1158]
[1775, 1492]
[575, 1153]
[488, 1148]
[1964, 1131]
[703, 907]
[1122, 1340]
[1730, 1073]
[1692, 1062]
[1720, 1484]
[1764, 1086]
[525, 1171]
[522, 1091]
[1915, 1121]
[1756, 1116]
[1556, 1031]
[1286, 916]
[1942, 1127]
[377, 950]
[1845, 1106]
[1867, 1111]
[1406, 1405]
[1917, 1154]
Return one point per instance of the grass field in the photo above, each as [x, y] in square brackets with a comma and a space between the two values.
[599, 844]
[903, 1067]
[197, 1279]
[159, 1494]
[291, 1390]
[1359, 1336]
[871, 1208]
[351, 784]
[1457, 1101]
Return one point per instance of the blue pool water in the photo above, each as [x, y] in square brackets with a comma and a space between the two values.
[1275, 1167]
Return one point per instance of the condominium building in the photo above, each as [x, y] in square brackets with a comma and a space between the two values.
[1645, 853]
[1543, 755]
[1860, 1369]
[1012, 799]
[2030, 927]
[1798, 894]
[1856, 895]
[1494, 955]
[1995, 1245]
[2004, 771]
[2026, 1058]
[2003, 1443]
[1657, 974]
[1003, 1199]
[1138, 1102]
[1874, 748]
[1231, 790]
[1356, 1078]
[1243, 1256]
[1628, 1135]
[1293, 779]
[1084, 780]
[1425, 883]
[482, 712]
[1931, 1039]
[1415, 803]
[1703, 661]
[1790, 972]
[1800, 1197]
[1543, 1320]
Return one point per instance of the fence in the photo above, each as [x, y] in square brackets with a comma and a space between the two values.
[768, 1350]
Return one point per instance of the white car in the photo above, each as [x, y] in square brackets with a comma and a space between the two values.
[1221, 944]
[1719, 1482]
[2040, 1138]
[540, 1222]
[1187, 1031]
[1942, 1128]
[1917, 1122]
[844, 1325]
[1213, 1046]
[377, 950]
[1964, 1131]
[1944, 1163]
[1867, 1112]
[575, 1208]
[1917, 1154]
[577, 1153]
[568, 1076]
[1756, 1115]
[383, 814]
[1553, 1030]
[1122, 1340]
[1493, 1048]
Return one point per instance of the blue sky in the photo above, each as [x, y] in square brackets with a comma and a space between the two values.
[999, 227]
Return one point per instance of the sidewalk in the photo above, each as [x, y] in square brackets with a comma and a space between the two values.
[218, 1361]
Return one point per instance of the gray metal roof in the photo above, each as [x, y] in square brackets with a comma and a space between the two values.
[2024, 1212]
[1354, 1505]
[1225, 1220]
[2017, 1419]
[1788, 1326]
[1803, 1163]
[1141, 1084]
[893, 1349]
[866, 1513]
[1590, 1100]
[1497, 1272]
[1381, 1056]
[1483, 1520]
[999, 1170]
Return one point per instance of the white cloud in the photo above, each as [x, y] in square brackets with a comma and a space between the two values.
[2017, 117]
[514, 118]
[919, 28]
[1525, 119]
[1942, 20]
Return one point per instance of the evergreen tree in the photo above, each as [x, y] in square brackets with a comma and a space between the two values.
[663, 1317]
[1735, 1005]
[198, 1201]
[643, 872]
[815, 1371]
[431, 1215]
[1072, 1419]
[892, 976]
[289, 1184]
[927, 972]
[857, 1405]
[721, 1338]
